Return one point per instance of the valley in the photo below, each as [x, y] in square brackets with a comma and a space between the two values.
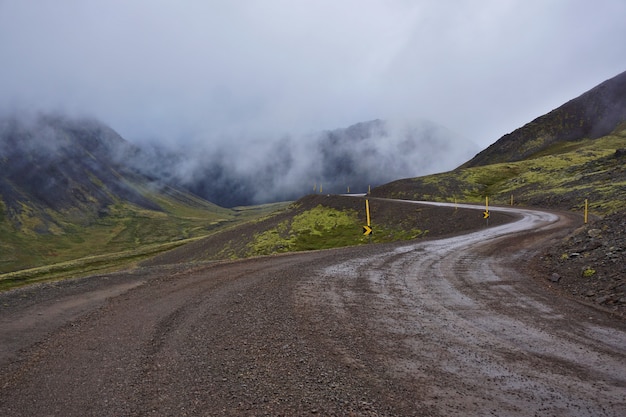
[498, 287]
[274, 208]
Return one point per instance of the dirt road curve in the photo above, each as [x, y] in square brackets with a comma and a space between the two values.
[436, 328]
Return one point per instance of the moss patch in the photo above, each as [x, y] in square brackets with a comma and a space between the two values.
[319, 228]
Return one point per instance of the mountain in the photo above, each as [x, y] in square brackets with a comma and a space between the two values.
[367, 153]
[53, 163]
[378, 151]
[66, 192]
[593, 114]
[573, 154]
[77, 168]
[71, 187]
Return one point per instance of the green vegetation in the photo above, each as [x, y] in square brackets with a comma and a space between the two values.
[44, 245]
[561, 176]
[318, 228]
[322, 228]
[80, 267]
[588, 272]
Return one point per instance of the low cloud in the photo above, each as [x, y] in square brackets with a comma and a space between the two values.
[362, 155]
[251, 83]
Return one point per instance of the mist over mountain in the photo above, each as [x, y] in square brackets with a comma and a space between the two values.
[364, 154]
[54, 163]
[67, 163]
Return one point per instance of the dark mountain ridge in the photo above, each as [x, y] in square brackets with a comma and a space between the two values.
[67, 195]
[591, 115]
[53, 163]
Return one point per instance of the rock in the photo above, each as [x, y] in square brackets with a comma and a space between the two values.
[603, 299]
[555, 277]
[590, 293]
[593, 244]
[574, 255]
[594, 232]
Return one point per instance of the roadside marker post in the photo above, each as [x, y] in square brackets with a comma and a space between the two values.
[486, 212]
[586, 210]
[367, 230]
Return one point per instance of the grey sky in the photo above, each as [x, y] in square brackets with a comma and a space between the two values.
[209, 71]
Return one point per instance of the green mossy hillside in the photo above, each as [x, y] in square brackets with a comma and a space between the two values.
[562, 176]
[35, 238]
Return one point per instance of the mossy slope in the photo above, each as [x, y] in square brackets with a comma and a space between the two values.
[563, 176]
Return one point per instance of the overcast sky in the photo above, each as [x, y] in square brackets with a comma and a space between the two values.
[212, 70]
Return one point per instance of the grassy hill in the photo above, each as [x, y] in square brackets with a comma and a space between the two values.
[560, 176]
[126, 236]
[572, 154]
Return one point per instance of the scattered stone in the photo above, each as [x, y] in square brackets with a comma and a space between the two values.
[555, 277]
[574, 255]
[603, 299]
[590, 293]
[594, 232]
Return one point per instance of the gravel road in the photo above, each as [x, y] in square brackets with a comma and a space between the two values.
[450, 327]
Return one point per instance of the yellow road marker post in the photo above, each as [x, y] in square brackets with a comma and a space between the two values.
[486, 212]
[367, 230]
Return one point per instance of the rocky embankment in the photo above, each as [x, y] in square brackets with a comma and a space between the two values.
[590, 264]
